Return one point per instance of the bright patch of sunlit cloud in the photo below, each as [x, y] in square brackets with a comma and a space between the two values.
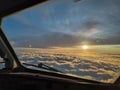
[85, 47]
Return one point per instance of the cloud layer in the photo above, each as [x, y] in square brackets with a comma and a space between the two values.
[95, 65]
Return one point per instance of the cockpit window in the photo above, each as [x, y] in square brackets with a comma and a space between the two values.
[2, 64]
[79, 38]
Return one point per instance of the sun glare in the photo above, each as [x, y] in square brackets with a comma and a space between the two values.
[85, 47]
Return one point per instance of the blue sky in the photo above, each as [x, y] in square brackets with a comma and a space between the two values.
[65, 23]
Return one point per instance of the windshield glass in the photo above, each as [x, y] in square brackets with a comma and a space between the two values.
[78, 37]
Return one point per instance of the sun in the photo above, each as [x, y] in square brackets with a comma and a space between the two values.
[85, 47]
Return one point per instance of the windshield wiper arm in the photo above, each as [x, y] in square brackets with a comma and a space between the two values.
[43, 66]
